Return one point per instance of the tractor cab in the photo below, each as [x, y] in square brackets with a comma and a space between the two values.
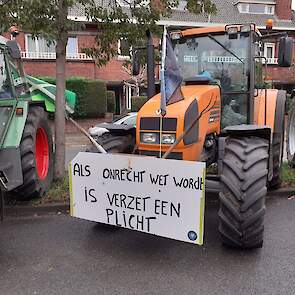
[12, 78]
[12, 83]
[230, 57]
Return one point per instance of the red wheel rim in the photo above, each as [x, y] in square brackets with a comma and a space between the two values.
[42, 153]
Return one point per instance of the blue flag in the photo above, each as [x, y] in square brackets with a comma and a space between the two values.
[171, 78]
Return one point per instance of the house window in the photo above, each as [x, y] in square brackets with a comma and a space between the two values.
[256, 8]
[124, 49]
[269, 9]
[128, 95]
[40, 48]
[39, 44]
[243, 7]
[72, 46]
[269, 52]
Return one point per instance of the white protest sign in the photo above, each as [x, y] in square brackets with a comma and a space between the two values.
[155, 196]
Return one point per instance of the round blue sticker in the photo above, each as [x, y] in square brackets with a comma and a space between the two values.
[192, 235]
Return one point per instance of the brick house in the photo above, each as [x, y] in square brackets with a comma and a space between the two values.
[248, 11]
[39, 60]
[39, 56]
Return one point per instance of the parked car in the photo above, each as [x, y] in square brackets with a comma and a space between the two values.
[128, 120]
[115, 137]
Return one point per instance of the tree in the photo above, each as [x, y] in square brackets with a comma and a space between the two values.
[130, 19]
[49, 19]
[135, 81]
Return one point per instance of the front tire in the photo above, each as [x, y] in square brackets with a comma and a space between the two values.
[278, 141]
[36, 149]
[114, 143]
[242, 200]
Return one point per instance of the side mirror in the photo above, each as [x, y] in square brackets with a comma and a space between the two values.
[135, 63]
[285, 51]
[13, 49]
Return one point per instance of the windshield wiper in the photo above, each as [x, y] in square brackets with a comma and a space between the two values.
[225, 48]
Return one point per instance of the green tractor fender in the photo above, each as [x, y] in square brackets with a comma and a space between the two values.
[15, 124]
[45, 93]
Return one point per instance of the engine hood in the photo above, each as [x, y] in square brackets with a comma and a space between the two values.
[190, 93]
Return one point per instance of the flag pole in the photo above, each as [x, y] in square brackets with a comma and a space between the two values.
[162, 73]
[162, 110]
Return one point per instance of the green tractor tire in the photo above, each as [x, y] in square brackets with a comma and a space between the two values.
[36, 149]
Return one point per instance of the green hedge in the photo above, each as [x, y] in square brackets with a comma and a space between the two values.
[137, 102]
[111, 101]
[91, 96]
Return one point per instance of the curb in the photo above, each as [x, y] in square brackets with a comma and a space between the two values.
[282, 192]
[58, 208]
[20, 211]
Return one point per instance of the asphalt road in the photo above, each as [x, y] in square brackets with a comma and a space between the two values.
[60, 255]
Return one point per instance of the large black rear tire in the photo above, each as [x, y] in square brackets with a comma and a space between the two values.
[242, 200]
[36, 149]
[291, 135]
[278, 141]
[114, 143]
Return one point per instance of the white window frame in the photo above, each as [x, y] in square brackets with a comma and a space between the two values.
[77, 48]
[272, 9]
[51, 55]
[247, 6]
[36, 43]
[240, 5]
[128, 95]
[272, 59]
[120, 56]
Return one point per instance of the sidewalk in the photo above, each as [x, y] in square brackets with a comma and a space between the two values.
[74, 138]
[85, 123]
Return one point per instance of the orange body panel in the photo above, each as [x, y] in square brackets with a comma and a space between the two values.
[259, 107]
[208, 30]
[203, 94]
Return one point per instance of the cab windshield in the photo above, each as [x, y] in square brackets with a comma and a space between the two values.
[223, 61]
[217, 57]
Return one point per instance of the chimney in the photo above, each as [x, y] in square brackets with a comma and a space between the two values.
[283, 9]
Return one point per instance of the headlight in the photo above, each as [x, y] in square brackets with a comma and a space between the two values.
[154, 138]
[168, 138]
[149, 137]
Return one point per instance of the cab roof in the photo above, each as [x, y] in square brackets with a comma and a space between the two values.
[217, 29]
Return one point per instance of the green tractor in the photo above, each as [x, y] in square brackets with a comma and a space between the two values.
[26, 142]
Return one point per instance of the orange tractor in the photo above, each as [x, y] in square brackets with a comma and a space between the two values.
[226, 117]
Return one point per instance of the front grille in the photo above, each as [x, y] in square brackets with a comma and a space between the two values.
[175, 156]
[169, 124]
